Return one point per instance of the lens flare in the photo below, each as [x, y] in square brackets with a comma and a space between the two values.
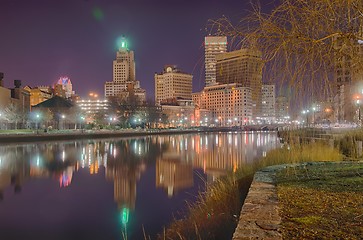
[97, 14]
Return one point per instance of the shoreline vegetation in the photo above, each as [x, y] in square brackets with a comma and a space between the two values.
[215, 215]
[216, 212]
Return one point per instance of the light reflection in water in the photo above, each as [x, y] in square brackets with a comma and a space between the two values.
[175, 158]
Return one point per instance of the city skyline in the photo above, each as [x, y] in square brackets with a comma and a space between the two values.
[78, 39]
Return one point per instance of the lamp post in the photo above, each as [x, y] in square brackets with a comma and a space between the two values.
[37, 122]
[359, 116]
[63, 119]
[82, 122]
[358, 98]
[314, 109]
[305, 112]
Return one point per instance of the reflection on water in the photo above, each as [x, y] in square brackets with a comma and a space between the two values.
[135, 167]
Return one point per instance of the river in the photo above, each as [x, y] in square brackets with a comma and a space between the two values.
[112, 188]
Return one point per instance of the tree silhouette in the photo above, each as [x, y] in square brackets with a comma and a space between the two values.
[302, 41]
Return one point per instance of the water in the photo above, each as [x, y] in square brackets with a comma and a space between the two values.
[109, 189]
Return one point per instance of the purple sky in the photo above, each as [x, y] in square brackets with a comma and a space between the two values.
[42, 40]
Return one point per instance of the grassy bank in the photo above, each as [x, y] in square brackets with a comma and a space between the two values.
[215, 214]
[322, 202]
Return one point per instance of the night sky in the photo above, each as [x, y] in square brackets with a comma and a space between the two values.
[41, 40]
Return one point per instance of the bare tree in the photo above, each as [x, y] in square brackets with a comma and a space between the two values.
[14, 114]
[301, 41]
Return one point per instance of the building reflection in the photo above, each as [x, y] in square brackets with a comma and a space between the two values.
[217, 154]
[13, 172]
[172, 174]
[175, 157]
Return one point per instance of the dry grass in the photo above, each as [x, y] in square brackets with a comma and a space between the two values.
[215, 214]
[322, 202]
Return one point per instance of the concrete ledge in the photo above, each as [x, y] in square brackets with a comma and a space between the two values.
[84, 135]
[259, 218]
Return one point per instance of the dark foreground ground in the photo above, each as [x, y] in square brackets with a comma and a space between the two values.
[322, 201]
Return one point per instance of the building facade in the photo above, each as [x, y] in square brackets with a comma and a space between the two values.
[92, 108]
[244, 67]
[124, 75]
[172, 83]
[38, 94]
[231, 104]
[268, 114]
[282, 109]
[65, 87]
[5, 93]
[348, 76]
[213, 45]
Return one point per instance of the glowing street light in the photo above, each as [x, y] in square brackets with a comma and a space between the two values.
[63, 119]
[37, 117]
[82, 122]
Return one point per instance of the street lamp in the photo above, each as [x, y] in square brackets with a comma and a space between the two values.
[82, 122]
[359, 116]
[37, 122]
[305, 112]
[63, 117]
[314, 109]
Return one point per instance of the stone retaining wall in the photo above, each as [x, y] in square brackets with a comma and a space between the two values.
[259, 218]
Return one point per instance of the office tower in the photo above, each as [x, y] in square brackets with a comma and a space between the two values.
[268, 103]
[348, 76]
[243, 66]
[231, 104]
[213, 45]
[171, 84]
[282, 109]
[64, 84]
[124, 82]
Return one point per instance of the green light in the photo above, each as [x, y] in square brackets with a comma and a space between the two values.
[121, 43]
[125, 216]
[97, 14]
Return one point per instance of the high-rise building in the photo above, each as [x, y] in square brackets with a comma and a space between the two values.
[124, 75]
[213, 45]
[348, 80]
[65, 84]
[282, 109]
[230, 103]
[268, 103]
[172, 83]
[244, 67]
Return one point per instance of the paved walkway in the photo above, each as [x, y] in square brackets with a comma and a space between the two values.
[259, 218]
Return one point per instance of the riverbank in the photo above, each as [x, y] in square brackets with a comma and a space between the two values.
[220, 205]
[304, 201]
[31, 136]
[16, 136]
